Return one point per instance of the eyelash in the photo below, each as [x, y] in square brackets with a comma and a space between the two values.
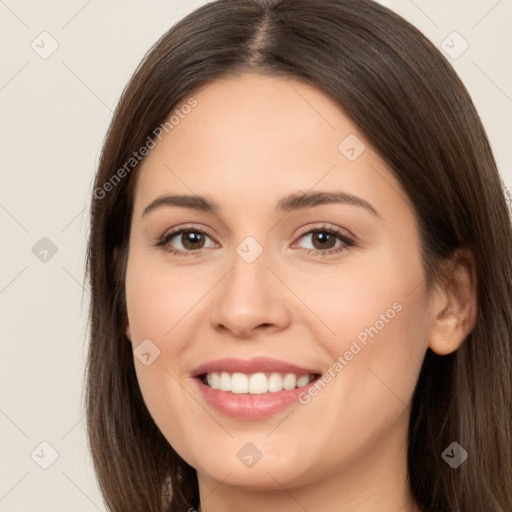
[347, 241]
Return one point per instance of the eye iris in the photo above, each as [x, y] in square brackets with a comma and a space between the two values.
[325, 237]
[193, 240]
[190, 240]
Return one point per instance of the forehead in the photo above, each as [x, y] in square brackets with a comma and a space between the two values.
[254, 138]
[259, 113]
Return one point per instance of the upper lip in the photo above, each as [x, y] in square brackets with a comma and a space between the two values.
[249, 366]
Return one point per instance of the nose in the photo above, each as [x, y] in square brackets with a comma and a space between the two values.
[250, 300]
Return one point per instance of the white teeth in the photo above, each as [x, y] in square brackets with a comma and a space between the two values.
[275, 382]
[289, 382]
[303, 380]
[256, 383]
[239, 383]
[225, 382]
[213, 380]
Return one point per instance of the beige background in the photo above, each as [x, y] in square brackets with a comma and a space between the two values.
[55, 110]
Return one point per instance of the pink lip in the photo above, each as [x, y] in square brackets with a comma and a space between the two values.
[244, 405]
[255, 365]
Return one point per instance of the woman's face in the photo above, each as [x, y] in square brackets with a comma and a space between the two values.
[269, 291]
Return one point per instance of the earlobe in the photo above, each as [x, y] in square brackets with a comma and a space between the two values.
[446, 333]
[454, 308]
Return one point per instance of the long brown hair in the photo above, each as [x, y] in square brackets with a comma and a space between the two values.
[416, 113]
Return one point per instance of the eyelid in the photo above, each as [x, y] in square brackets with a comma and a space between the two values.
[328, 227]
[303, 231]
[348, 239]
[187, 227]
[171, 233]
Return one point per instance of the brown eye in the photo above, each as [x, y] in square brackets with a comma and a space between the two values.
[185, 241]
[323, 241]
[192, 240]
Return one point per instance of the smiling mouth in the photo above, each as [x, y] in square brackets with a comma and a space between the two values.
[256, 383]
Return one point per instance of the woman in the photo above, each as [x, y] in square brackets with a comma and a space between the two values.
[232, 367]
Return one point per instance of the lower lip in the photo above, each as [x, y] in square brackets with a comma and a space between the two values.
[247, 406]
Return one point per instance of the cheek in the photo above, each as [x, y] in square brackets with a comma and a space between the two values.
[164, 308]
[156, 305]
[158, 297]
[378, 320]
[359, 303]
[375, 362]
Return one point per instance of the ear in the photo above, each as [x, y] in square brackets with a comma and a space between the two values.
[454, 304]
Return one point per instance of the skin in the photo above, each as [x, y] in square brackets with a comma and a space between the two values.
[250, 141]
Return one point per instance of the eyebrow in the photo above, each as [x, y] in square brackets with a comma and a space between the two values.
[296, 201]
